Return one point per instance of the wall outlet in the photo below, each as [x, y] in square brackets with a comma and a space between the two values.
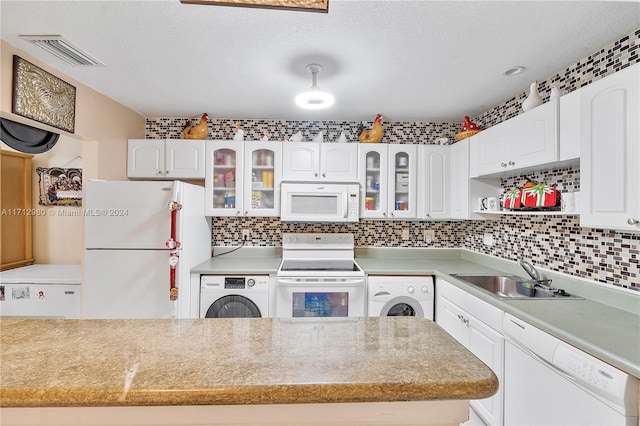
[487, 239]
[429, 236]
[246, 234]
[405, 234]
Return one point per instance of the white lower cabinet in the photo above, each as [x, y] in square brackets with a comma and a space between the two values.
[478, 326]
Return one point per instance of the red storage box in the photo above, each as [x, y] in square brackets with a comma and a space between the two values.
[512, 199]
[540, 195]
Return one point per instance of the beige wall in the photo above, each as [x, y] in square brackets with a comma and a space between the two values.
[102, 128]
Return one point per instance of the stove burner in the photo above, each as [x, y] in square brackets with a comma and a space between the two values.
[319, 265]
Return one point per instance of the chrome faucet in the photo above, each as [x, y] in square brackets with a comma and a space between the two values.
[535, 274]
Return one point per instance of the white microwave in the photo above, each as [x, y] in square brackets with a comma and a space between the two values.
[319, 202]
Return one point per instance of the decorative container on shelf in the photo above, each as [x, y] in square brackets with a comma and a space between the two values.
[532, 196]
[469, 128]
[534, 99]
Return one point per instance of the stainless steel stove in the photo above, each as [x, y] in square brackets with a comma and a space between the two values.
[318, 276]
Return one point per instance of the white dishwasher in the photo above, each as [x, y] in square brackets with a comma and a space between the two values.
[549, 382]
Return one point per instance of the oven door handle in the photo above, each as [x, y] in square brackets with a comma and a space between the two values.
[294, 282]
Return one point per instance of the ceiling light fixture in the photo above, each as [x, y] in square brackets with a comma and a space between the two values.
[514, 71]
[314, 98]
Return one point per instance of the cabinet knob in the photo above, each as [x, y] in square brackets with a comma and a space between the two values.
[393, 214]
[238, 213]
[167, 172]
[503, 165]
[633, 221]
[246, 213]
[324, 175]
[384, 214]
[159, 172]
[315, 175]
[512, 163]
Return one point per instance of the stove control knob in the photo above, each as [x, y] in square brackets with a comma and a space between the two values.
[251, 282]
[410, 289]
[424, 289]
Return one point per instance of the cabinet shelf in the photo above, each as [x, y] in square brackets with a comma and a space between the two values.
[528, 213]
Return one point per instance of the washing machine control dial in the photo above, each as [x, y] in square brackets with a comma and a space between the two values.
[424, 289]
[251, 282]
[410, 289]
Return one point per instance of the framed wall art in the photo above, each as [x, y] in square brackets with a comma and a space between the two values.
[42, 97]
[304, 5]
[59, 186]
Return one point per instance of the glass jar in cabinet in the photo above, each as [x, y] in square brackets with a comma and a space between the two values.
[263, 165]
[401, 201]
[373, 174]
[223, 180]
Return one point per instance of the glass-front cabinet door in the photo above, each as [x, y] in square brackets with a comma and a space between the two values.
[263, 165]
[223, 181]
[401, 202]
[373, 173]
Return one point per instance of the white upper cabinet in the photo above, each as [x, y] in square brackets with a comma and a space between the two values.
[312, 161]
[388, 180]
[433, 181]
[373, 170]
[525, 142]
[465, 191]
[223, 181]
[490, 150]
[610, 151]
[569, 132]
[262, 170]
[460, 179]
[534, 137]
[403, 179]
[165, 159]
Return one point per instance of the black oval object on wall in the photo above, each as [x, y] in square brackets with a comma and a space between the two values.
[24, 138]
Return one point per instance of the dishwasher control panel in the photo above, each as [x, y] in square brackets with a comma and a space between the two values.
[612, 386]
[591, 372]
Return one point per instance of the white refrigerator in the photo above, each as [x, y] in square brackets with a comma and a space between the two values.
[133, 259]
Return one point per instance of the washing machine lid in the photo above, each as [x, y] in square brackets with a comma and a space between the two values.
[233, 306]
[402, 306]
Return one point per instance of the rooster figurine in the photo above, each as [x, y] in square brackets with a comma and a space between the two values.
[197, 131]
[374, 134]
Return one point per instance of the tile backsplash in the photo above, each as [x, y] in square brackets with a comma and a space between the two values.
[556, 242]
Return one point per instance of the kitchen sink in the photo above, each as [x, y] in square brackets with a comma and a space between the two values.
[513, 287]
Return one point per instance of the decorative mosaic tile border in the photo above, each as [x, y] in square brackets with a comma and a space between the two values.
[609, 59]
[279, 130]
[555, 242]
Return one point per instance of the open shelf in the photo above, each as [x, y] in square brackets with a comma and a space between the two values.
[528, 212]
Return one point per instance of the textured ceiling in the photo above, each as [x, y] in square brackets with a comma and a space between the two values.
[408, 60]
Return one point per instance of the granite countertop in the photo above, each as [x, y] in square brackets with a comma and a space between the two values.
[606, 324]
[234, 361]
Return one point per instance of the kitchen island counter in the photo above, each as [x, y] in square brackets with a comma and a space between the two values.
[226, 362]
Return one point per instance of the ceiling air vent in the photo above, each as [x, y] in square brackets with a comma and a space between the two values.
[64, 50]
